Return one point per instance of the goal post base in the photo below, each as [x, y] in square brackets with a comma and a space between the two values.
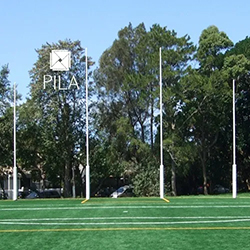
[166, 200]
[84, 201]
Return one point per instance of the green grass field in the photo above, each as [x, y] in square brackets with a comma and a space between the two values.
[198, 222]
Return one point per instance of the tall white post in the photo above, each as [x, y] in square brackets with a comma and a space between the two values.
[161, 136]
[87, 129]
[234, 170]
[14, 149]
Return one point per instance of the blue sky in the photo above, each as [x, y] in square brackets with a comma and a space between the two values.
[26, 25]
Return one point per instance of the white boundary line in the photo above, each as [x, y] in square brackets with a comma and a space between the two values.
[125, 218]
[120, 207]
[121, 223]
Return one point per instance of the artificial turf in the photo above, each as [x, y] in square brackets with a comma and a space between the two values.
[214, 222]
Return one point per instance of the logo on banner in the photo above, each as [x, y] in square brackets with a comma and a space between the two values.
[60, 60]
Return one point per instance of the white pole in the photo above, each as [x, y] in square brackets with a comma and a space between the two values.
[161, 136]
[234, 173]
[14, 143]
[87, 129]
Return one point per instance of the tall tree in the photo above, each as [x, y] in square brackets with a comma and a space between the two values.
[6, 118]
[237, 66]
[6, 124]
[177, 53]
[60, 113]
[122, 107]
[207, 94]
[212, 46]
[128, 79]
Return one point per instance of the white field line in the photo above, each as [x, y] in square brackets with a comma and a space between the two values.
[107, 202]
[103, 204]
[120, 207]
[181, 205]
[121, 223]
[126, 218]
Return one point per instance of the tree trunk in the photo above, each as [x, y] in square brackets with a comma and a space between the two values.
[67, 141]
[204, 173]
[142, 132]
[204, 169]
[203, 158]
[67, 186]
[173, 179]
[73, 183]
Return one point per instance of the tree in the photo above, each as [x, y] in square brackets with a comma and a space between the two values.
[127, 85]
[6, 118]
[123, 104]
[5, 91]
[177, 52]
[237, 66]
[119, 75]
[30, 143]
[59, 115]
[207, 95]
[6, 124]
[212, 46]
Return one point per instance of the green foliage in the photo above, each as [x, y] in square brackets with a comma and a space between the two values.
[6, 119]
[5, 91]
[241, 48]
[146, 180]
[127, 87]
[6, 142]
[207, 98]
[124, 141]
[59, 115]
[236, 66]
[212, 44]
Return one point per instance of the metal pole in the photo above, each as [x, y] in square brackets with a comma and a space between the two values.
[161, 136]
[87, 129]
[14, 143]
[234, 170]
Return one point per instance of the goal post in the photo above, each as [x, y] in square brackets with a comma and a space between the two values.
[87, 129]
[161, 132]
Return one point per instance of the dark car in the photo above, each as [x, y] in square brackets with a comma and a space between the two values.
[49, 194]
[218, 189]
[24, 194]
[43, 194]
